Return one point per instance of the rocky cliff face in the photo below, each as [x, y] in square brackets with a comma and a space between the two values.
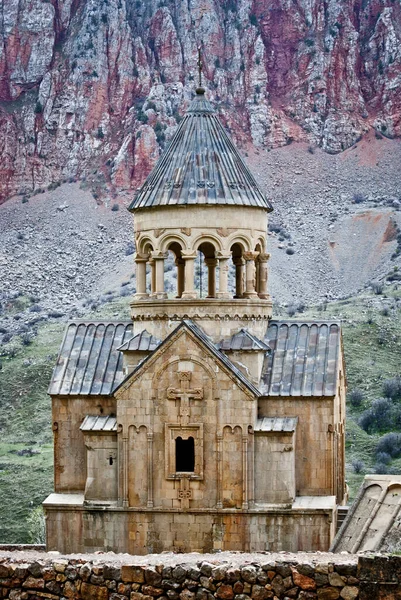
[93, 88]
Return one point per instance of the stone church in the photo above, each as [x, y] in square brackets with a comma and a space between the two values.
[202, 424]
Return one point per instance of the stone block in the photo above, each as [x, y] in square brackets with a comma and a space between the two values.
[349, 592]
[302, 581]
[328, 593]
[225, 592]
[94, 592]
[131, 574]
[34, 583]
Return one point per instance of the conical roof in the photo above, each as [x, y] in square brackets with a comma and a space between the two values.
[200, 166]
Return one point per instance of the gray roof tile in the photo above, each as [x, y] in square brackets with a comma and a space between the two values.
[99, 423]
[304, 358]
[243, 340]
[276, 424]
[143, 341]
[200, 166]
[88, 363]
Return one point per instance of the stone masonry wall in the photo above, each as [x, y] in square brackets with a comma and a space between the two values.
[323, 577]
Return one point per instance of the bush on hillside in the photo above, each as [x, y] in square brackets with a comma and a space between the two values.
[356, 397]
[358, 466]
[390, 444]
[379, 417]
[392, 388]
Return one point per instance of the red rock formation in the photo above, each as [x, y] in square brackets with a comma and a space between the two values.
[82, 81]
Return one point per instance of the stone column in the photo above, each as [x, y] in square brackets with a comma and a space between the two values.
[158, 258]
[219, 470]
[250, 291]
[263, 276]
[140, 261]
[245, 504]
[211, 277]
[180, 263]
[223, 269]
[152, 276]
[239, 263]
[125, 469]
[189, 287]
[150, 470]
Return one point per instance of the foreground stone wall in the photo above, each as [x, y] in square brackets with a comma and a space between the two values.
[339, 577]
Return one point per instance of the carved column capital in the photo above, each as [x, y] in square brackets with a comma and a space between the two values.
[250, 255]
[264, 256]
[159, 255]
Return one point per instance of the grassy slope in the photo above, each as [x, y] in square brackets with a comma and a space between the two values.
[25, 419]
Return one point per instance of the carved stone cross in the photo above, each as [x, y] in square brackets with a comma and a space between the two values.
[184, 395]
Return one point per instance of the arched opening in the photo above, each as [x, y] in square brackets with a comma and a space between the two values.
[184, 455]
[238, 268]
[210, 261]
[258, 250]
[150, 270]
[175, 249]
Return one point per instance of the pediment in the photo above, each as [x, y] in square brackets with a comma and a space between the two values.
[191, 345]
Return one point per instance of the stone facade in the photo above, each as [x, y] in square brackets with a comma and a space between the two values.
[252, 578]
[202, 425]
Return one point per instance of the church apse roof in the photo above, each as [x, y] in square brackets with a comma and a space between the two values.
[201, 165]
[304, 360]
[88, 362]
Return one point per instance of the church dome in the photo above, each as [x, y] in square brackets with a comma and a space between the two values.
[201, 166]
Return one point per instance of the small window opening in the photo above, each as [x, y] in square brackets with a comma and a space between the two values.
[110, 460]
[185, 455]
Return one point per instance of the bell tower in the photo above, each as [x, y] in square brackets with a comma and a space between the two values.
[201, 204]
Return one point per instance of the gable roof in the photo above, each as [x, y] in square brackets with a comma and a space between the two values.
[200, 166]
[304, 360]
[207, 342]
[88, 363]
[243, 340]
[143, 341]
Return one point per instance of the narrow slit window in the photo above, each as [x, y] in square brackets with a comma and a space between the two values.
[185, 455]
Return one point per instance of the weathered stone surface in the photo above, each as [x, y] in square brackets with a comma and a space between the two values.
[152, 577]
[349, 592]
[35, 569]
[225, 592]
[336, 580]
[131, 574]
[179, 573]
[259, 593]
[329, 593]
[187, 595]
[94, 592]
[60, 565]
[302, 581]
[249, 574]
[3, 571]
[112, 572]
[85, 572]
[34, 582]
[139, 596]
[150, 590]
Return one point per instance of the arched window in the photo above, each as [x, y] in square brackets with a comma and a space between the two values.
[176, 250]
[184, 455]
[210, 261]
[238, 268]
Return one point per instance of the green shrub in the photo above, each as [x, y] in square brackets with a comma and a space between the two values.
[356, 397]
[392, 388]
[390, 444]
[379, 417]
